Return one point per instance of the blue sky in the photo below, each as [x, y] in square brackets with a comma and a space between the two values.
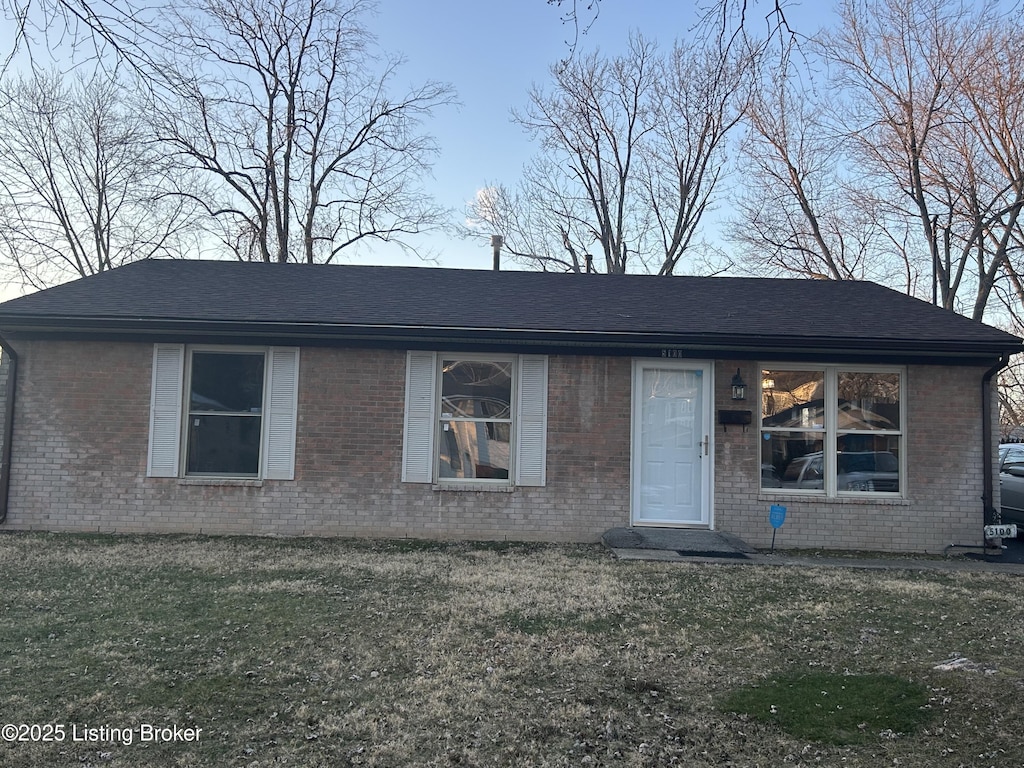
[491, 52]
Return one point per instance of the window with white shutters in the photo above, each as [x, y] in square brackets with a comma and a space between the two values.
[477, 419]
[223, 412]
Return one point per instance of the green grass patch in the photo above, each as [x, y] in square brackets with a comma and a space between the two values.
[834, 708]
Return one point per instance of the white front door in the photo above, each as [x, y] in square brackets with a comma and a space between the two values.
[671, 443]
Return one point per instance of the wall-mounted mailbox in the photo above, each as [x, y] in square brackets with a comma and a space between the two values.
[740, 418]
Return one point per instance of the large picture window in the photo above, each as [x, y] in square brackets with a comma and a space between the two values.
[831, 430]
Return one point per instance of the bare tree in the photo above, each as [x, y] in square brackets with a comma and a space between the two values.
[800, 210]
[925, 111]
[579, 15]
[284, 103]
[698, 99]
[83, 187]
[534, 224]
[907, 166]
[591, 127]
[631, 152]
[1011, 401]
[126, 25]
[118, 32]
[988, 141]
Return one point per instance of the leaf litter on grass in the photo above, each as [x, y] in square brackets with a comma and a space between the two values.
[333, 652]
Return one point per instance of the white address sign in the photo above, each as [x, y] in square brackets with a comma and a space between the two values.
[1001, 531]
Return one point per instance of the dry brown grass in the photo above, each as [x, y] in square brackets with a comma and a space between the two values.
[334, 653]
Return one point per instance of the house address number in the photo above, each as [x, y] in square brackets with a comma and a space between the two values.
[1001, 531]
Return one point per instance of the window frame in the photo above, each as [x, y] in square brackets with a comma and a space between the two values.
[187, 412]
[832, 433]
[439, 417]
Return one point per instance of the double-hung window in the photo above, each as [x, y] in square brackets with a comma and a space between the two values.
[223, 412]
[832, 430]
[477, 419]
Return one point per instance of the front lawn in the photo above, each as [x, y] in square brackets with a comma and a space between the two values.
[335, 653]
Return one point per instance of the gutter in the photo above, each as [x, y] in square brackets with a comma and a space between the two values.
[8, 435]
[988, 494]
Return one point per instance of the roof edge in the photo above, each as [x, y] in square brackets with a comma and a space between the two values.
[147, 329]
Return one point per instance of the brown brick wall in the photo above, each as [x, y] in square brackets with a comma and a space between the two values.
[81, 437]
[80, 455]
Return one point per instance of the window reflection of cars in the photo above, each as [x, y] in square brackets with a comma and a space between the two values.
[805, 472]
[876, 471]
[1011, 482]
[769, 477]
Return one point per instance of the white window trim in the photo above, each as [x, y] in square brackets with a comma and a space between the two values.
[172, 371]
[421, 435]
[831, 431]
[512, 421]
[186, 408]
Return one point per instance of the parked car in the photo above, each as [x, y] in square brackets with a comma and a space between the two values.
[1011, 482]
[877, 471]
[805, 472]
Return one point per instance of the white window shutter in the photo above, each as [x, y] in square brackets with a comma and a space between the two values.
[165, 410]
[531, 420]
[280, 410]
[418, 448]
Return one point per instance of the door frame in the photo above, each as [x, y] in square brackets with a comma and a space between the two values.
[707, 474]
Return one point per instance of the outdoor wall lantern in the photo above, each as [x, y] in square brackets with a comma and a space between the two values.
[739, 387]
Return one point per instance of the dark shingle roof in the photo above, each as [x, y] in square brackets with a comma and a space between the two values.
[318, 299]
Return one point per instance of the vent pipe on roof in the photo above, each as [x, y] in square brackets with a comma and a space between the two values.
[496, 242]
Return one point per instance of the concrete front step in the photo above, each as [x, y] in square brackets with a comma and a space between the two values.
[685, 542]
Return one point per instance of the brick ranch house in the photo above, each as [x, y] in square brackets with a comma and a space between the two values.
[232, 398]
